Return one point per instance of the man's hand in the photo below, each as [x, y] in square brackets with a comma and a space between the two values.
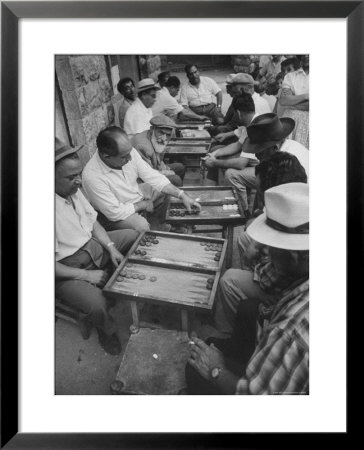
[115, 255]
[210, 161]
[167, 172]
[190, 202]
[204, 358]
[149, 207]
[96, 277]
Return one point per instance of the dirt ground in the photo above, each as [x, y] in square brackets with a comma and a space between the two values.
[81, 366]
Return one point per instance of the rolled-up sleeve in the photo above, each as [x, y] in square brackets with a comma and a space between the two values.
[105, 201]
[148, 174]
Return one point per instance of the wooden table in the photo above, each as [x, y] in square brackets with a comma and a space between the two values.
[212, 200]
[191, 148]
[153, 364]
[178, 270]
[193, 124]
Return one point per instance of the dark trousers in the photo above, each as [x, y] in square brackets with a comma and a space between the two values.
[237, 350]
[83, 296]
[179, 169]
[210, 111]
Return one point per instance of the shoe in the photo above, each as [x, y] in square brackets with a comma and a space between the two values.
[110, 343]
[85, 328]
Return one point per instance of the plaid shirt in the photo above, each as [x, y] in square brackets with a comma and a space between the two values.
[279, 364]
[268, 277]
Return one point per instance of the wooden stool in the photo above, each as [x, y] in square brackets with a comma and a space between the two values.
[71, 315]
[153, 364]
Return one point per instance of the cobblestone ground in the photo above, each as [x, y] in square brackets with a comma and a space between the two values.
[82, 367]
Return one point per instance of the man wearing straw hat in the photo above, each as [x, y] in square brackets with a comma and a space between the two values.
[268, 352]
[85, 253]
[137, 117]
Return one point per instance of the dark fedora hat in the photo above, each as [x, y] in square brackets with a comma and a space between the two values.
[265, 131]
[62, 149]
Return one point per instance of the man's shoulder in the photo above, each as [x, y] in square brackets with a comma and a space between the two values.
[141, 139]
[292, 145]
[92, 167]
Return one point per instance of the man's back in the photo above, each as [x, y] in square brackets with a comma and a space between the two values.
[280, 362]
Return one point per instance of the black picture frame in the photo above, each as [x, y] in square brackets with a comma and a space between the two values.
[11, 12]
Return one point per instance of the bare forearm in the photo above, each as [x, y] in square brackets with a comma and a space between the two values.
[188, 114]
[232, 163]
[171, 190]
[292, 100]
[229, 150]
[100, 234]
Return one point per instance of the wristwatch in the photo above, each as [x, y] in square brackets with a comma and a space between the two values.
[180, 193]
[215, 372]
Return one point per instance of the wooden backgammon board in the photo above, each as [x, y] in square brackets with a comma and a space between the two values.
[168, 268]
[193, 124]
[188, 146]
[220, 205]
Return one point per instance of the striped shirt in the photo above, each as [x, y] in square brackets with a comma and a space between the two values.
[279, 364]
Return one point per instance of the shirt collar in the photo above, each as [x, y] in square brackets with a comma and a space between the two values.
[140, 103]
[104, 168]
[62, 200]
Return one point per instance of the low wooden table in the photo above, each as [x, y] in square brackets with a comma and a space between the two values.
[216, 202]
[153, 364]
[189, 147]
[193, 124]
[172, 269]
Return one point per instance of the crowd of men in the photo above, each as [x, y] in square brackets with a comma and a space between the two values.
[260, 146]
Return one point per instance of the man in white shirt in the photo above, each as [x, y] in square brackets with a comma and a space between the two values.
[84, 252]
[243, 82]
[266, 135]
[138, 116]
[202, 95]
[126, 88]
[229, 158]
[167, 104]
[110, 180]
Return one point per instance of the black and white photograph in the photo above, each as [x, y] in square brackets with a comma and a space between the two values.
[182, 224]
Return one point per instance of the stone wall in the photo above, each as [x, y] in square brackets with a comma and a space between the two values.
[86, 94]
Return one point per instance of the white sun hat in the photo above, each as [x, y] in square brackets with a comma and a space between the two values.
[285, 221]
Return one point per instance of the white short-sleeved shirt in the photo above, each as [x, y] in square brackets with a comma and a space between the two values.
[261, 105]
[74, 224]
[166, 104]
[114, 192]
[137, 118]
[297, 82]
[204, 94]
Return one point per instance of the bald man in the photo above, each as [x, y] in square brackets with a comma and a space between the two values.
[110, 180]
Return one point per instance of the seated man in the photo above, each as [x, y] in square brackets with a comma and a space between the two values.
[202, 95]
[111, 179]
[230, 157]
[167, 104]
[84, 250]
[151, 145]
[267, 134]
[126, 88]
[273, 359]
[137, 117]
